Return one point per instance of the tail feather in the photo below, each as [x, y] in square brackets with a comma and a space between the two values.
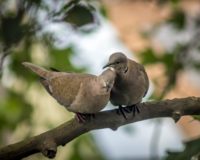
[37, 69]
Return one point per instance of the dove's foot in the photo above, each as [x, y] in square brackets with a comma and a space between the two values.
[134, 109]
[121, 111]
[83, 117]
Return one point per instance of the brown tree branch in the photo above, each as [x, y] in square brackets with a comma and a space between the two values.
[48, 142]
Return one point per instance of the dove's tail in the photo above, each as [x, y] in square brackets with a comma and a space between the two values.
[37, 69]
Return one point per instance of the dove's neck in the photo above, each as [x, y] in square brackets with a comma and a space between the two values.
[101, 81]
[107, 79]
[111, 68]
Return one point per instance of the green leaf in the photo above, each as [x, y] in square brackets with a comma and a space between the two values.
[11, 30]
[13, 110]
[84, 148]
[192, 149]
[79, 16]
[168, 59]
[61, 59]
[103, 11]
[196, 117]
[178, 19]
[34, 2]
[148, 56]
[196, 65]
[198, 48]
[173, 2]
[197, 22]
[16, 67]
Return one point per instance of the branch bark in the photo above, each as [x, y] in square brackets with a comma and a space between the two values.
[48, 142]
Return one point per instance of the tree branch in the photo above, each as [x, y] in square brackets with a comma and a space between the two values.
[48, 142]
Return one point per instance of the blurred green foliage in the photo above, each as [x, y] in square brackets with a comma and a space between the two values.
[21, 29]
[197, 117]
[178, 58]
[191, 151]
[173, 2]
[61, 59]
[178, 19]
[79, 16]
[13, 109]
[84, 149]
[171, 64]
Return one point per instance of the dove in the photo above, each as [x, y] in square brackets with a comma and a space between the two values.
[131, 82]
[83, 94]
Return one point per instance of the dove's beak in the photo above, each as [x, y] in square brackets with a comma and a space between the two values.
[107, 65]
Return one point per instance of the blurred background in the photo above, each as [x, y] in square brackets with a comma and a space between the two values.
[79, 36]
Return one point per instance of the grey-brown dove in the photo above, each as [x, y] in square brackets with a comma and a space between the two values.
[79, 93]
[131, 83]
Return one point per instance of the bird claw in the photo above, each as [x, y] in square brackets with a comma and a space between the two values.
[134, 109]
[83, 117]
[80, 117]
[121, 111]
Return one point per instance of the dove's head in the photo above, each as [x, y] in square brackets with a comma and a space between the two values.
[108, 79]
[118, 61]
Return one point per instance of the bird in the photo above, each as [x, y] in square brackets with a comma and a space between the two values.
[81, 93]
[131, 82]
